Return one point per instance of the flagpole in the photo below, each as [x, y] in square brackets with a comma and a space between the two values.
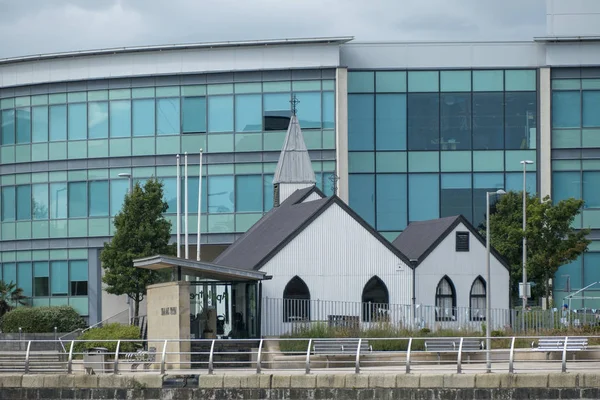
[199, 209]
[178, 207]
[185, 207]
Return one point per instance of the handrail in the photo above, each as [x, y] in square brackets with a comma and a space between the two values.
[116, 367]
[357, 363]
[163, 358]
[27, 354]
[408, 355]
[564, 355]
[83, 330]
[511, 359]
[70, 359]
[211, 358]
[307, 363]
[459, 357]
[258, 366]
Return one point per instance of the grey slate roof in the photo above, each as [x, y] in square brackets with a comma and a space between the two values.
[294, 164]
[271, 230]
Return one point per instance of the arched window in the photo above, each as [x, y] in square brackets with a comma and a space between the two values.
[477, 299]
[376, 301]
[296, 301]
[445, 300]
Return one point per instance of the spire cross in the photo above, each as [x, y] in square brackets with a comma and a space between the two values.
[294, 103]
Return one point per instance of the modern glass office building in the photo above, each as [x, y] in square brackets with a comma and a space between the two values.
[401, 131]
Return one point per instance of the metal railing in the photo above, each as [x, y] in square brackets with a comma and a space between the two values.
[517, 354]
[118, 317]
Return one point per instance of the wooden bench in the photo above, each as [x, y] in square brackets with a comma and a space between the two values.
[549, 345]
[146, 357]
[340, 347]
[452, 345]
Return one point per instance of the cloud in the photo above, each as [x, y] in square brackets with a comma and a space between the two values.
[42, 26]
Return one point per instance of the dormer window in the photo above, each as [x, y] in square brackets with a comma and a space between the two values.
[462, 241]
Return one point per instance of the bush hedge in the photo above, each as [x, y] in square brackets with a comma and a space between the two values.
[115, 331]
[42, 319]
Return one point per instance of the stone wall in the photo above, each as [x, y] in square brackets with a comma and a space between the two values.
[318, 387]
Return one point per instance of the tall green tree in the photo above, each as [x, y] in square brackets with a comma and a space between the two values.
[10, 297]
[551, 239]
[141, 230]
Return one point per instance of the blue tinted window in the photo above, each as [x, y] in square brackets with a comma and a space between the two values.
[520, 120]
[361, 81]
[456, 121]
[424, 197]
[248, 196]
[194, 114]
[276, 111]
[591, 268]
[142, 114]
[362, 190]
[25, 278]
[193, 194]
[268, 192]
[8, 203]
[77, 121]
[220, 114]
[8, 127]
[167, 116]
[591, 189]
[98, 198]
[170, 194]
[23, 202]
[39, 124]
[248, 113]
[58, 200]
[41, 278]
[78, 276]
[39, 194]
[392, 204]
[118, 190]
[483, 183]
[566, 109]
[77, 199]
[390, 122]
[327, 186]
[9, 273]
[423, 121]
[572, 272]
[566, 185]
[220, 194]
[98, 120]
[59, 278]
[456, 195]
[120, 118]
[58, 122]
[514, 181]
[309, 109]
[328, 110]
[591, 108]
[23, 125]
[361, 122]
[488, 121]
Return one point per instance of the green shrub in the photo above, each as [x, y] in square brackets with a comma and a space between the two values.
[113, 332]
[42, 319]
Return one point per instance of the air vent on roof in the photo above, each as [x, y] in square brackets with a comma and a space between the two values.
[276, 195]
[462, 241]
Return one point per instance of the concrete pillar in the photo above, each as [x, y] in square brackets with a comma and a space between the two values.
[544, 166]
[341, 134]
[169, 318]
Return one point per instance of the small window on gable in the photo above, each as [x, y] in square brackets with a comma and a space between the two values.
[462, 241]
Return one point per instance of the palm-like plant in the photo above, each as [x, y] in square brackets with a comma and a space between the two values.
[10, 296]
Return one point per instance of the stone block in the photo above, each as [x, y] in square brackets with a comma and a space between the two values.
[563, 380]
[459, 381]
[589, 380]
[110, 381]
[281, 381]
[10, 380]
[331, 381]
[303, 381]
[210, 381]
[255, 381]
[149, 381]
[382, 381]
[32, 381]
[531, 381]
[408, 380]
[232, 381]
[357, 381]
[432, 381]
[58, 381]
[488, 381]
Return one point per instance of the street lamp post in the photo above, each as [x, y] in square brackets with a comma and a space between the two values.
[129, 177]
[524, 294]
[488, 288]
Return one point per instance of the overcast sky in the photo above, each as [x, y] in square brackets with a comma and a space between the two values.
[46, 26]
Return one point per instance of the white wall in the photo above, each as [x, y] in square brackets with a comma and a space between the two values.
[572, 17]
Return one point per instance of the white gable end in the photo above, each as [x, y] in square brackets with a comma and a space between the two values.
[312, 197]
[336, 256]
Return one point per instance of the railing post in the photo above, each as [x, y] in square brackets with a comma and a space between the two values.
[408, 355]
[27, 356]
[357, 363]
[459, 358]
[163, 358]
[55, 338]
[70, 359]
[20, 338]
[258, 357]
[211, 357]
[116, 365]
[511, 360]
[307, 366]
[564, 355]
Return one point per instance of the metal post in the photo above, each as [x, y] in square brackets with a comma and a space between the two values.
[116, 364]
[488, 321]
[27, 353]
[408, 355]
[258, 357]
[511, 360]
[211, 357]
[357, 363]
[307, 366]
[459, 358]
[524, 294]
[199, 231]
[564, 355]
[163, 359]
[185, 206]
[178, 208]
[70, 359]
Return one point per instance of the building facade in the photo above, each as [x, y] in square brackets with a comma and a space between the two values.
[401, 131]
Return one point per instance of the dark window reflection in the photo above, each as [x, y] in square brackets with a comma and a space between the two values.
[488, 121]
[456, 121]
[520, 120]
[423, 121]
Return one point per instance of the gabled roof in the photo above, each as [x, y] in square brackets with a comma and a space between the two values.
[282, 224]
[294, 164]
[420, 238]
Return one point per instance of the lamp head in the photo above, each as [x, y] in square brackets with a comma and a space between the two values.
[500, 191]
[526, 162]
[124, 175]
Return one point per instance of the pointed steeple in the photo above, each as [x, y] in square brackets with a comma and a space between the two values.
[294, 169]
